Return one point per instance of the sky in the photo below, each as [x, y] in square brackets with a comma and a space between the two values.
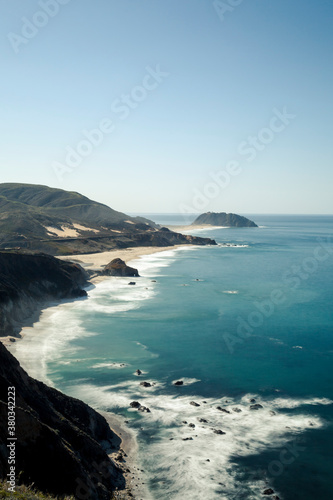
[171, 106]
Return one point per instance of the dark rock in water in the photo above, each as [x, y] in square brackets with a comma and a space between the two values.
[218, 431]
[145, 384]
[153, 281]
[144, 409]
[237, 410]
[60, 440]
[188, 439]
[207, 460]
[184, 422]
[203, 421]
[223, 219]
[269, 491]
[252, 400]
[118, 267]
[179, 382]
[138, 372]
[135, 404]
[132, 283]
[193, 403]
[191, 425]
[257, 406]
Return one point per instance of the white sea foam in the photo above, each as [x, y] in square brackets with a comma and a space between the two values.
[110, 366]
[231, 292]
[180, 466]
[232, 245]
[187, 381]
[50, 338]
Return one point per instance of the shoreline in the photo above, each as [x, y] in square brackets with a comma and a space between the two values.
[190, 228]
[97, 261]
[128, 446]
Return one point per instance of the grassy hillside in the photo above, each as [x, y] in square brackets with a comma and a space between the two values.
[58, 222]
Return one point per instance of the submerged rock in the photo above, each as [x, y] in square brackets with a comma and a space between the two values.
[257, 406]
[179, 382]
[193, 403]
[218, 431]
[269, 491]
[146, 384]
[135, 404]
[138, 372]
[144, 409]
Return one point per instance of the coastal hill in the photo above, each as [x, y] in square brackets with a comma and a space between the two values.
[223, 219]
[58, 222]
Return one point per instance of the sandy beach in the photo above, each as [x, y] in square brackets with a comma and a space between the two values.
[97, 261]
[188, 229]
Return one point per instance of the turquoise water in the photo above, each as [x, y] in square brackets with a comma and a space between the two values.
[248, 319]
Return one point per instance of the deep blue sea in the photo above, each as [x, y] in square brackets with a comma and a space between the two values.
[248, 319]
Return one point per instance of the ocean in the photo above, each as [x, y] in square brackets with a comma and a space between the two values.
[247, 325]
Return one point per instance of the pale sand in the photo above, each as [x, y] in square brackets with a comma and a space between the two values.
[96, 261]
[69, 232]
[189, 228]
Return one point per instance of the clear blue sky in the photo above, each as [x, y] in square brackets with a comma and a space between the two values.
[223, 75]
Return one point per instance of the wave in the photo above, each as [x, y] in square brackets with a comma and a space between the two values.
[184, 454]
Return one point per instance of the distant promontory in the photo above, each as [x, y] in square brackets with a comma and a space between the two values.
[223, 219]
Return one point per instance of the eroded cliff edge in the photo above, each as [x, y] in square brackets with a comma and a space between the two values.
[27, 282]
[61, 442]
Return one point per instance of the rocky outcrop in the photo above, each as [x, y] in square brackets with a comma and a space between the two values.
[27, 281]
[118, 267]
[61, 441]
[223, 219]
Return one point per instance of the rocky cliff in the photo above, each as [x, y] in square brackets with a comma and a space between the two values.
[29, 281]
[61, 441]
[223, 219]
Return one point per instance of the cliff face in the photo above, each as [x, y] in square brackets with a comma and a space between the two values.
[224, 219]
[59, 438]
[27, 281]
